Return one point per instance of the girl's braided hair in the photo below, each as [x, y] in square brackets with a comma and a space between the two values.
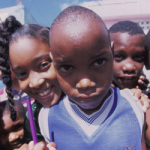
[9, 26]
[10, 31]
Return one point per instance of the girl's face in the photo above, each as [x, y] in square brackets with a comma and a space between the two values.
[34, 70]
[11, 132]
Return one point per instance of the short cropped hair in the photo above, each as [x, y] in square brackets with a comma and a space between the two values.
[129, 27]
[73, 13]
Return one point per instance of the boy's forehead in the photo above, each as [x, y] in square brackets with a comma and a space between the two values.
[78, 33]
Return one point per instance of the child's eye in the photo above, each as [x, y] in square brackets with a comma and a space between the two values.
[139, 58]
[18, 127]
[99, 62]
[65, 68]
[44, 64]
[118, 57]
[21, 75]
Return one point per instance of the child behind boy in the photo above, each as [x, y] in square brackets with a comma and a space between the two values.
[11, 132]
[92, 115]
[129, 54]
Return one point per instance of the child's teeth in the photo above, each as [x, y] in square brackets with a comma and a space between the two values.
[44, 93]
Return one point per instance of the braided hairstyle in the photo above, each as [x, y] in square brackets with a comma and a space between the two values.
[9, 26]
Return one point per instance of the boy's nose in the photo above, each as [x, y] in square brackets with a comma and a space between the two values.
[35, 81]
[85, 84]
[128, 68]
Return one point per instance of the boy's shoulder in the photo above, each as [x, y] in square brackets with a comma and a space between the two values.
[127, 94]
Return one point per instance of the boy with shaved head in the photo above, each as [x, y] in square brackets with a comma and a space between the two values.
[92, 115]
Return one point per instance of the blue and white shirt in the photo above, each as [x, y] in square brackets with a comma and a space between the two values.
[117, 118]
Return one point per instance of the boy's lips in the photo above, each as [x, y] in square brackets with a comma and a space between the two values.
[88, 98]
[129, 77]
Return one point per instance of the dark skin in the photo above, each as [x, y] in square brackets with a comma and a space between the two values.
[34, 70]
[83, 61]
[86, 81]
[12, 132]
[129, 54]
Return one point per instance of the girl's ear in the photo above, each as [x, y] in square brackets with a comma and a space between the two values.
[112, 46]
[147, 58]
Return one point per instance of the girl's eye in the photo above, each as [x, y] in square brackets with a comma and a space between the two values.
[118, 57]
[21, 75]
[99, 62]
[65, 68]
[44, 64]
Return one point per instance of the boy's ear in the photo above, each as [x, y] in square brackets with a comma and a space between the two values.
[112, 47]
[51, 56]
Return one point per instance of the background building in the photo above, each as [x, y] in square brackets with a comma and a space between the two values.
[19, 11]
[113, 11]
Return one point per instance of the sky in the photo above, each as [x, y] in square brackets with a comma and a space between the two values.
[43, 11]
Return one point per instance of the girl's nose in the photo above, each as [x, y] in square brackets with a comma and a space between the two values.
[36, 80]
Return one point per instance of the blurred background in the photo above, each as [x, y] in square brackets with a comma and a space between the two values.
[43, 12]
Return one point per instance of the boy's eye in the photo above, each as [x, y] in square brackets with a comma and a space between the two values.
[99, 62]
[65, 68]
[139, 58]
[118, 57]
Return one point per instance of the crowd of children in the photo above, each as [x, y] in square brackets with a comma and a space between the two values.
[80, 76]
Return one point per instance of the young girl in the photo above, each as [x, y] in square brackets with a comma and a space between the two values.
[7, 28]
[33, 67]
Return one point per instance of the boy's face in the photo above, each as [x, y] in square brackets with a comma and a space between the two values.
[83, 60]
[11, 132]
[129, 53]
[33, 68]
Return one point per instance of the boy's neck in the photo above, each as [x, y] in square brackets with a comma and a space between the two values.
[90, 111]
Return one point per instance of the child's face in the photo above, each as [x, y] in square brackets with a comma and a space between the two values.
[11, 132]
[33, 67]
[83, 59]
[129, 53]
